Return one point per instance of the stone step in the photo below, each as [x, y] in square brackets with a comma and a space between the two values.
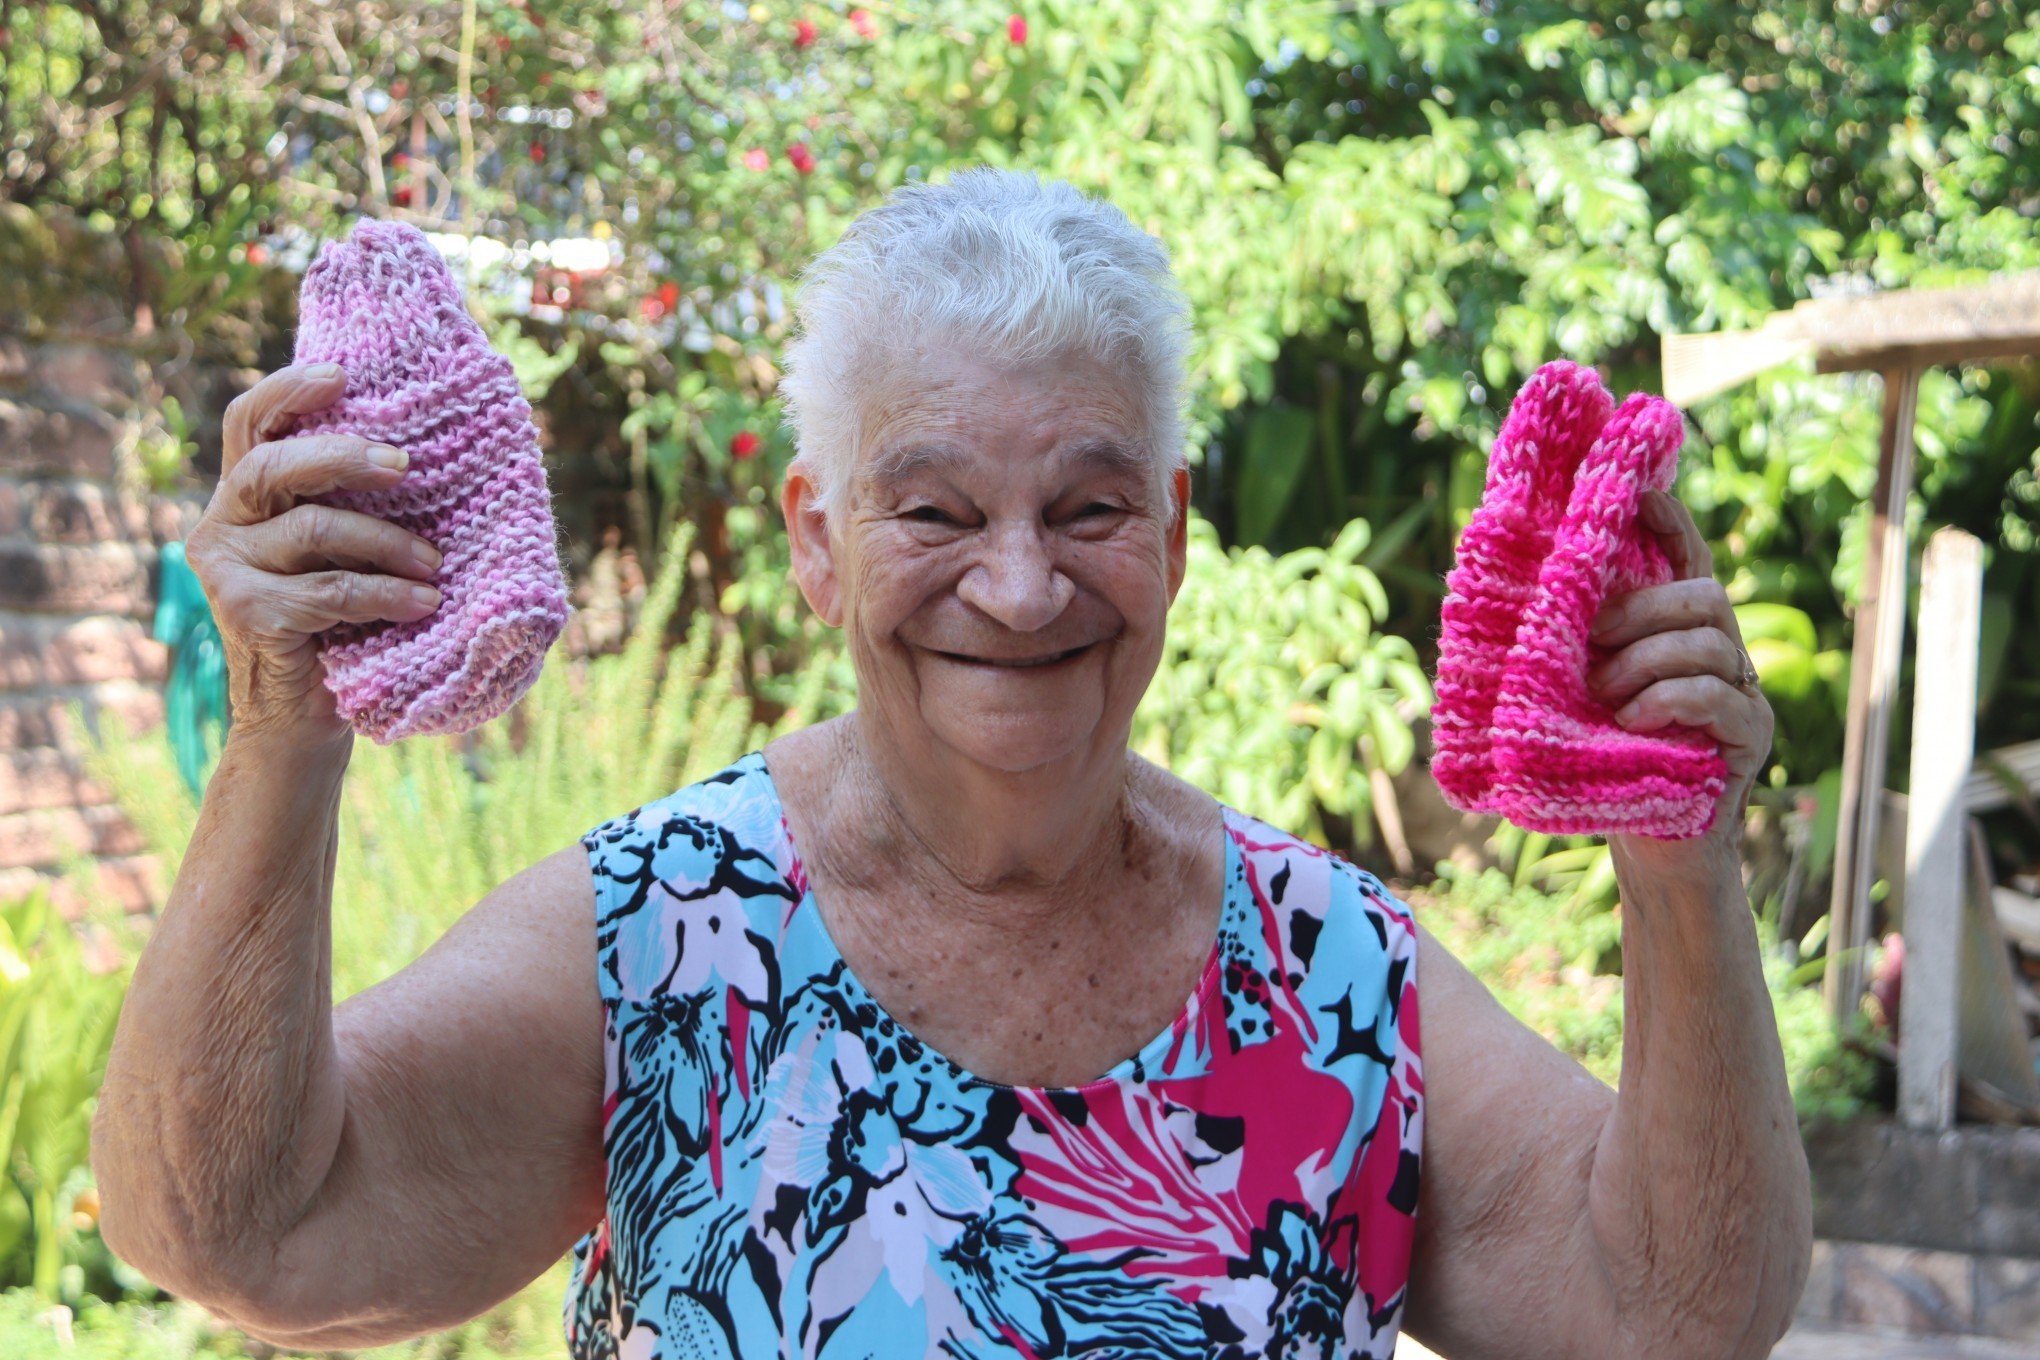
[1917, 1291]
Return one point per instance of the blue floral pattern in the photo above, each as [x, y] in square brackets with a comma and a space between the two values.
[792, 1172]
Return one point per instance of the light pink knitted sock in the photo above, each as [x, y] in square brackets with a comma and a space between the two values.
[1550, 425]
[1562, 762]
[421, 376]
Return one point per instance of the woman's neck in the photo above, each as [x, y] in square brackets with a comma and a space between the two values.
[1014, 851]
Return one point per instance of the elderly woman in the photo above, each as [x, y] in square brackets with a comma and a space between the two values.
[948, 1027]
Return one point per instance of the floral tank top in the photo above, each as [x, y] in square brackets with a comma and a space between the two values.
[791, 1173]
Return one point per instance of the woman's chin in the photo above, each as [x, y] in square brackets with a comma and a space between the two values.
[1016, 742]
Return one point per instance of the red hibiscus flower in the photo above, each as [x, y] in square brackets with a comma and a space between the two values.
[800, 157]
[1016, 28]
[745, 445]
[804, 33]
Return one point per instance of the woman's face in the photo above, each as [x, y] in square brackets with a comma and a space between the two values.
[1001, 562]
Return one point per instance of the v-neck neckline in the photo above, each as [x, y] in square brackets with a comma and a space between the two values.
[1145, 1062]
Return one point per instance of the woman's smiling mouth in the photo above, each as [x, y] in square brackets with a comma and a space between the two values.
[1035, 663]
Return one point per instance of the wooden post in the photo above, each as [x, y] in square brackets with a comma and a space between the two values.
[1873, 682]
[1944, 737]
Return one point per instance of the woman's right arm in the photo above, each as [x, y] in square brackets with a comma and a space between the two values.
[319, 1175]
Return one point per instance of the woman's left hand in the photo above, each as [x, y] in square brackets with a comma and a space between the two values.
[1677, 658]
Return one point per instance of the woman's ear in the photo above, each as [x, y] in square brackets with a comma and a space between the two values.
[814, 557]
[1179, 529]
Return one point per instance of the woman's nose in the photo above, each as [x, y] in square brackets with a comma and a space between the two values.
[1015, 579]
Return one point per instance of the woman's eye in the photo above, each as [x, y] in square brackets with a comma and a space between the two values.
[1098, 508]
[927, 514]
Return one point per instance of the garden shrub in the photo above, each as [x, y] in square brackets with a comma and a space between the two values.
[56, 1026]
[1554, 962]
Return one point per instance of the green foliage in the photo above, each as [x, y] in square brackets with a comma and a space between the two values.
[56, 1027]
[1276, 691]
[1551, 961]
[31, 1329]
[1554, 962]
[523, 1327]
[1579, 868]
[1830, 1079]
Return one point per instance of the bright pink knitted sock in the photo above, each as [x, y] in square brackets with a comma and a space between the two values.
[421, 376]
[1550, 425]
[1562, 762]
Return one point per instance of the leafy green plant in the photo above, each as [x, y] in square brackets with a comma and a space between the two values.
[1551, 960]
[1554, 962]
[1830, 1077]
[56, 1026]
[525, 1326]
[1807, 684]
[1582, 868]
[1277, 691]
[162, 455]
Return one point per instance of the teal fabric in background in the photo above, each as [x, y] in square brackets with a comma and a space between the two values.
[195, 700]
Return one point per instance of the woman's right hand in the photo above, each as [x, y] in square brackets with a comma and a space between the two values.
[278, 572]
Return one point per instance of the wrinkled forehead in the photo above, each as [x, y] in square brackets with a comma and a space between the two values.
[897, 465]
[954, 416]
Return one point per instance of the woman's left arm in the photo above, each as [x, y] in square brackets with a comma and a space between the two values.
[1699, 1191]
[1671, 1219]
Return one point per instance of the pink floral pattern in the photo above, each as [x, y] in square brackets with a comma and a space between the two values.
[792, 1172]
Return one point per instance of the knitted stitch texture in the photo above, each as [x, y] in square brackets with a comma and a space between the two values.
[1550, 425]
[1562, 763]
[421, 376]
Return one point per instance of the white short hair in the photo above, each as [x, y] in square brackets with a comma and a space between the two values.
[1015, 269]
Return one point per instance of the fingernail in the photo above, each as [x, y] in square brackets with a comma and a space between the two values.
[427, 554]
[382, 455]
[321, 372]
[426, 596]
[1605, 623]
[1626, 714]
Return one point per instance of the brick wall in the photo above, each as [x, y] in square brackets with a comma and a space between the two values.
[79, 538]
